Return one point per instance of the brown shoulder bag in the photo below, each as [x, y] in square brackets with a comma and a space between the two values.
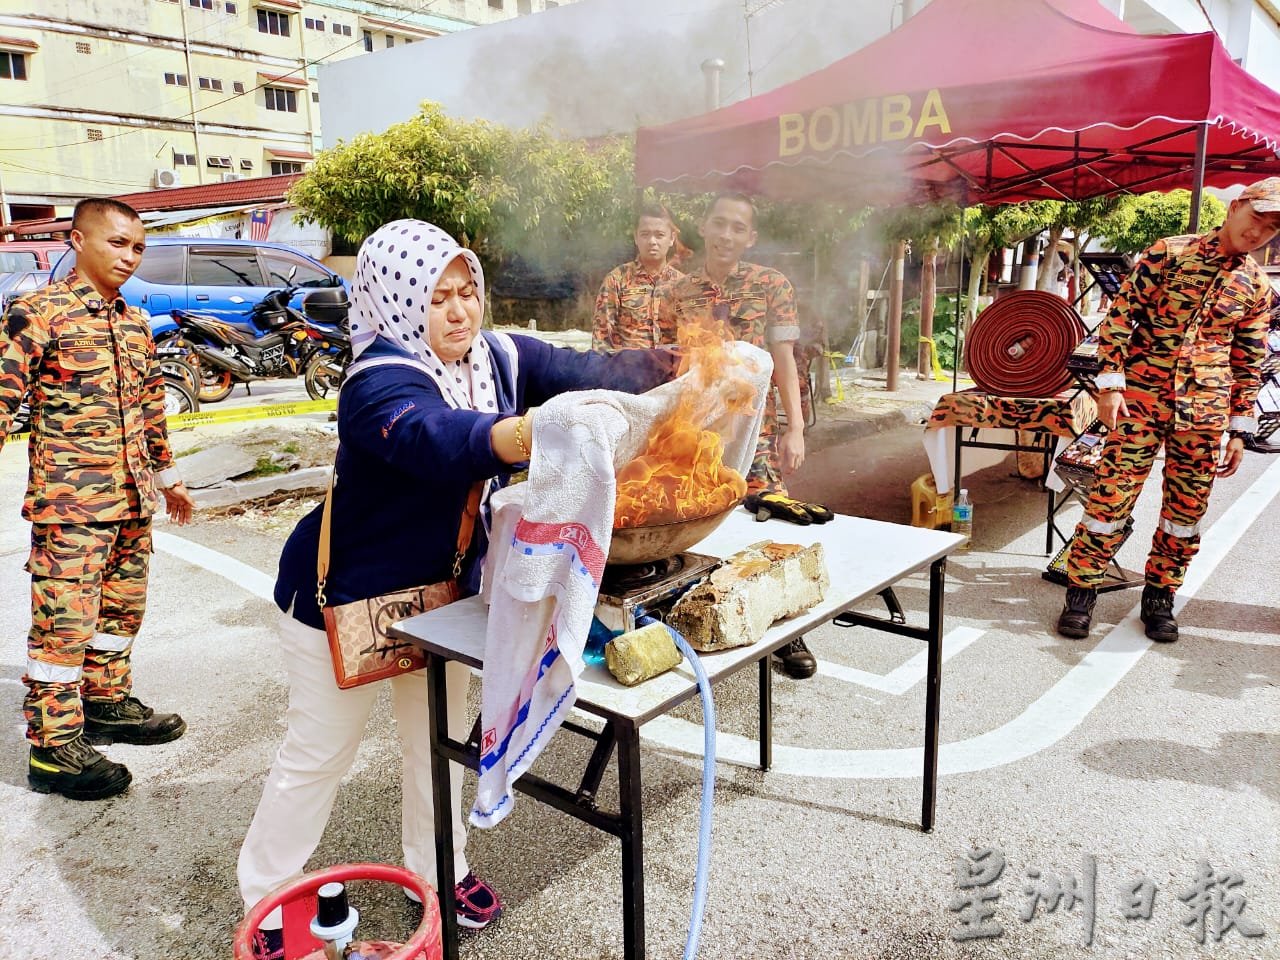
[361, 648]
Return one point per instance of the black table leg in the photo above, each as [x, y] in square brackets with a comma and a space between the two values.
[438, 723]
[766, 713]
[1050, 509]
[631, 814]
[933, 691]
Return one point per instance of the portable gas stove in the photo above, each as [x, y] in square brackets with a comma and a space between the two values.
[647, 589]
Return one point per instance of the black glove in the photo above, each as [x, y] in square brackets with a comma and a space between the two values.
[766, 505]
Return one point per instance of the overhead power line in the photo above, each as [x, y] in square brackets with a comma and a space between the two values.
[191, 114]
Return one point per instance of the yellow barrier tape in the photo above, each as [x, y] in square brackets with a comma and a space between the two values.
[239, 414]
[835, 358]
[938, 373]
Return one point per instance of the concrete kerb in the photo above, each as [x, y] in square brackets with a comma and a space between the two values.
[868, 409]
[231, 492]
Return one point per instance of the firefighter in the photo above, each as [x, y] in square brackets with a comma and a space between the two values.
[627, 306]
[758, 305]
[98, 448]
[1180, 349]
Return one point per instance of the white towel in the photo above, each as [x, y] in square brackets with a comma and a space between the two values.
[548, 544]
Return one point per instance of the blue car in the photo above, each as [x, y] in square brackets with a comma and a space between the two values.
[224, 278]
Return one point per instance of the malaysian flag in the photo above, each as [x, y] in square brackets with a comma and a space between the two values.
[259, 224]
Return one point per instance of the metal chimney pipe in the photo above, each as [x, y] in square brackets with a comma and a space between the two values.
[712, 68]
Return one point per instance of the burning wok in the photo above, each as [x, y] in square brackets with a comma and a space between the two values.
[658, 541]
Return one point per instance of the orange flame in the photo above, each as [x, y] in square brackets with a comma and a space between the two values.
[681, 475]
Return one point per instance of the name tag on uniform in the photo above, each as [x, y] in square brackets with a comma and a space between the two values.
[1239, 296]
[88, 342]
[1191, 279]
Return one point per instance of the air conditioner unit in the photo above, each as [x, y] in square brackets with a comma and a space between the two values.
[228, 177]
[166, 178]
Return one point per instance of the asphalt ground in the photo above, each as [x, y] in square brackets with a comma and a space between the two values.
[1148, 759]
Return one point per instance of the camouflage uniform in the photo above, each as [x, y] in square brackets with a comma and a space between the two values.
[1184, 340]
[97, 435]
[759, 305]
[627, 307]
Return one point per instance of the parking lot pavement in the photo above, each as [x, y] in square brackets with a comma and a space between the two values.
[1111, 758]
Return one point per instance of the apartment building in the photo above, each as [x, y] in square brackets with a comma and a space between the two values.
[117, 96]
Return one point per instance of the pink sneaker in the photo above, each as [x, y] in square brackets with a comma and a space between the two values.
[476, 902]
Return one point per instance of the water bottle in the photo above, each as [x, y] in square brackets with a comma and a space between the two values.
[962, 519]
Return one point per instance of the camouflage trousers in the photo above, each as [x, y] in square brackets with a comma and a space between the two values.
[766, 468]
[88, 594]
[1190, 466]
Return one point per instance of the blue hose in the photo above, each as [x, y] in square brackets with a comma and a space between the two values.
[708, 788]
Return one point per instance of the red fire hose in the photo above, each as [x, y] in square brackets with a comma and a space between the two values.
[1019, 345]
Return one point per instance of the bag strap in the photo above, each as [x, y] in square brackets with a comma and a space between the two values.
[466, 528]
[322, 555]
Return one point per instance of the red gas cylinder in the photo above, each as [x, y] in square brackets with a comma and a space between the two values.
[298, 897]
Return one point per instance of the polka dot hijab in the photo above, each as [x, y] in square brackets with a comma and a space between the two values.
[397, 271]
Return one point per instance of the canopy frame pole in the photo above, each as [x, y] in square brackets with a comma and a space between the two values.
[1197, 177]
[959, 320]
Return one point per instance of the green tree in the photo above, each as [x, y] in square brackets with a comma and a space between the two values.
[929, 228]
[553, 202]
[988, 229]
[1137, 222]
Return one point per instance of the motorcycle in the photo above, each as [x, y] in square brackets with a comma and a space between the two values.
[274, 344]
[326, 324]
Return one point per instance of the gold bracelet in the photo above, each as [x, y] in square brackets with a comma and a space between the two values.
[520, 442]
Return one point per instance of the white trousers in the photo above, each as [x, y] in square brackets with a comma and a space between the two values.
[325, 725]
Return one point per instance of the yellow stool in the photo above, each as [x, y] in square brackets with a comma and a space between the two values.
[929, 509]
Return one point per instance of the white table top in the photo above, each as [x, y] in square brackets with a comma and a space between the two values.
[863, 557]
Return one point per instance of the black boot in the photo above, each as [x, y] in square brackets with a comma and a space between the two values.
[77, 771]
[1157, 614]
[797, 660]
[1077, 615]
[129, 721]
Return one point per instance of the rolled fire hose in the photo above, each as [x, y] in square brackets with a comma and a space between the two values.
[708, 787]
[1019, 345]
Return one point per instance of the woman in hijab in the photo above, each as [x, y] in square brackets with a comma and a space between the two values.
[431, 406]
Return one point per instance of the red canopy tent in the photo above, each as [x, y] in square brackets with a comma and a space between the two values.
[987, 101]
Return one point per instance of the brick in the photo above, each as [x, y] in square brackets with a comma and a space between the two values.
[751, 591]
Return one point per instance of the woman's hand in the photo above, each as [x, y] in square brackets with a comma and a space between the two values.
[512, 438]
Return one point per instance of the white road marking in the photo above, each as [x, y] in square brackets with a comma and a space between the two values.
[241, 574]
[901, 679]
[1042, 724]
